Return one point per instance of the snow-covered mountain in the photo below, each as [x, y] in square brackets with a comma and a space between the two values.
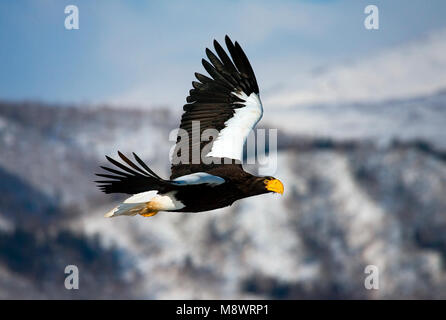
[364, 185]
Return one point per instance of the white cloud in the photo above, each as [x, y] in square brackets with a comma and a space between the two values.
[405, 71]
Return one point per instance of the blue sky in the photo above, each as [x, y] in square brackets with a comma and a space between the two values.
[145, 52]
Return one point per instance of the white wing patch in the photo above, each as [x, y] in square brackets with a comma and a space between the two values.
[199, 178]
[231, 139]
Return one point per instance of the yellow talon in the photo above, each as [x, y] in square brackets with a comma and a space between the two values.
[149, 214]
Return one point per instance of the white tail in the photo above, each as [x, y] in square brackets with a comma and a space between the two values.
[133, 205]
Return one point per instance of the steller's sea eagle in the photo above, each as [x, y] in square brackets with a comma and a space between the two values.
[228, 101]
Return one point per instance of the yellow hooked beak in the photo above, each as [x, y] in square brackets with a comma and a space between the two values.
[274, 185]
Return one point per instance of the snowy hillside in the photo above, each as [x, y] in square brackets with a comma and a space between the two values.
[422, 118]
[364, 184]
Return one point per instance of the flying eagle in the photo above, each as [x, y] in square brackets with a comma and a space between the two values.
[228, 101]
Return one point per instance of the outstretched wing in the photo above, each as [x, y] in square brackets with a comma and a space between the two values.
[134, 178]
[228, 101]
[131, 179]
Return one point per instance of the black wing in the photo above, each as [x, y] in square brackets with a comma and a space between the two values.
[132, 179]
[213, 101]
